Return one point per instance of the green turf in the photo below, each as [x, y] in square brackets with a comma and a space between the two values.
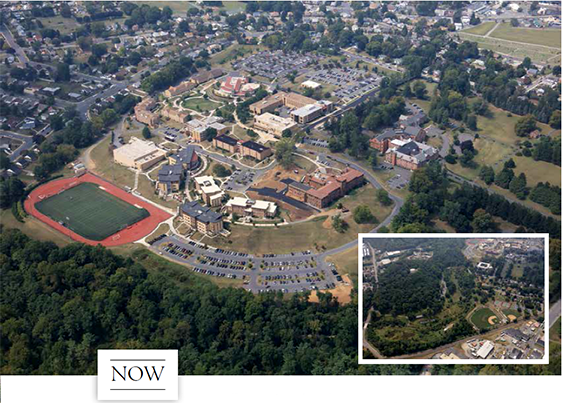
[90, 211]
[481, 29]
[480, 318]
[543, 37]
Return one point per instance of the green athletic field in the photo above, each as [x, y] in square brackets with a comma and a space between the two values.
[480, 318]
[90, 211]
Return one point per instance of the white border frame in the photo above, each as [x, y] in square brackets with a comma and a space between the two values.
[427, 361]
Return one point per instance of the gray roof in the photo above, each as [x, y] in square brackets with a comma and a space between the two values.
[201, 213]
[412, 130]
[170, 173]
[299, 185]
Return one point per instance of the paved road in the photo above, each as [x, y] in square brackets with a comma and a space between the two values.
[554, 313]
[27, 143]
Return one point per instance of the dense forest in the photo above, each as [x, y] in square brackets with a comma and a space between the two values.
[59, 305]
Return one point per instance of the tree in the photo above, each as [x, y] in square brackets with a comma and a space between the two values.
[514, 22]
[63, 73]
[11, 190]
[554, 121]
[503, 179]
[510, 164]
[483, 222]
[287, 133]
[362, 215]
[525, 125]
[420, 89]
[518, 186]
[284, 152]
[408, 91]
[339, 224]
[383, 197]
[221, 171]
[210, 134]
[146, 133]
[487, 174]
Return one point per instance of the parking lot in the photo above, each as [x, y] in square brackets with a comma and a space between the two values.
[350, 83]
[274, 64]
[401, 176]
[240, 180]
[294, 272]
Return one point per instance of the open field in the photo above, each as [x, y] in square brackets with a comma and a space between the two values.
[315, 234]
[90, 211]
[481, 29]
[481, 316]
[538, 54]
[64, 25]
[178, 7]
[508, 312]
[162, 229]
[536, 36]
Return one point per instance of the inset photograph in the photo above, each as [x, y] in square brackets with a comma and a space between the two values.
[453, 298]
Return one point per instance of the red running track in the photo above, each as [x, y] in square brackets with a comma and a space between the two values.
[130, 234]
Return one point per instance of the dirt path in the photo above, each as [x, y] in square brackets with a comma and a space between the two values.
[492, 30]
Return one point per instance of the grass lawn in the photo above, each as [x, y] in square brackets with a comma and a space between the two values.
[536, 36]
[346, 262]
[146, 189]
[102, 157]
[90, 211]
[34, 228]
[200, 104]
[162, 229]
[178, 7]
[64, 25]
[537, 171]
[480, 318]
[513, 312]
[481, 29]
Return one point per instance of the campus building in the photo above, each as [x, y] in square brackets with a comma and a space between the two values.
[169, 178]
[138, 154]
[253, 208]
[319, 192]
[410, 154]
[144, 112]
[237, 87]
[255, 150]
[196, 128]
[201, 218]
[205, 76]
[179, 89]
[382, 141]
[226, 143]
[175, 114]
[294, 100]
[210, 192]
[274, 124]
[268, 104]
[187, 157]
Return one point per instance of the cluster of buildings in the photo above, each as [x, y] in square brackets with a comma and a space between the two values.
[139, 154]
[298, 110]
[172, 174]
[320, 191]
[197, 128]
[410, 154]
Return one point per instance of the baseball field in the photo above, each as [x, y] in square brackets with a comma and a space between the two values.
[88, 210]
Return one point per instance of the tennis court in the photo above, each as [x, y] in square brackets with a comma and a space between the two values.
[90, 211]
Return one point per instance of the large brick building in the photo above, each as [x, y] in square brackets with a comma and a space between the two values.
[226, 143]
[255, 150]
[179, 89]
[144, 112]
[268, 104]
[274, 124]
[196, 128]
[382, 141]
[410, 154]
[175, 114]
[201, 218]
[319, 192]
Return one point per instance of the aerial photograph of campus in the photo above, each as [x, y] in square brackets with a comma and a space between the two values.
[454, 298]
[194, 175]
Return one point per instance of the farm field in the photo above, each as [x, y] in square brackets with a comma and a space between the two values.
[480, 318]
[538, 54]
[536, 36]
[481, 29]
[90, 211]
